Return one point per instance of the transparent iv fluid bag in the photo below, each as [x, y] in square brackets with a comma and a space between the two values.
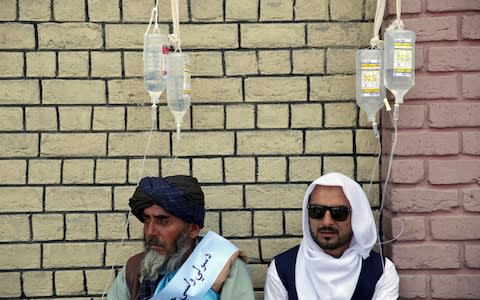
[178, 85]
[154, 63]
[370, 90]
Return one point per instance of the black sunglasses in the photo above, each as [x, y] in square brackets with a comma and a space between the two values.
[338, 213]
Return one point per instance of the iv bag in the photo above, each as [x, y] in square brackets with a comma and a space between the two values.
[178, 86]
[370, 90]
[154, 67]
[399, 62]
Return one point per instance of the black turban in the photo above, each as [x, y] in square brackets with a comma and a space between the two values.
[180, 195]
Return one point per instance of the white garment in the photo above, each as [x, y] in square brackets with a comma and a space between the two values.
[321, 276]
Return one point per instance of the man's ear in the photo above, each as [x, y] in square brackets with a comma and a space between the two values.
[194, 230]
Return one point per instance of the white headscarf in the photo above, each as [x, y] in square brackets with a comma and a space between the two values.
[321, 276]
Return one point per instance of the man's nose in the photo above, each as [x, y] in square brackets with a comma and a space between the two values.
[149, 229]
[327, 218]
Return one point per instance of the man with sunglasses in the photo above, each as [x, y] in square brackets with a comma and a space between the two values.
[335, 260]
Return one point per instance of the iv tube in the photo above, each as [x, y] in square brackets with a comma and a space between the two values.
[178, 86]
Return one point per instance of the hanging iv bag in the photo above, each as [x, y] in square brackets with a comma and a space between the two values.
[154, 64]
[178, 86]
[399, 62]
[370, 90]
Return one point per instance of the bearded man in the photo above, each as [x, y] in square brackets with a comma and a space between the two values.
[179, 263]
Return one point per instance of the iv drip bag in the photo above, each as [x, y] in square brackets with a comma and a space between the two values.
[399, 62]
[154, 66]
[370, 90]
[178, 86]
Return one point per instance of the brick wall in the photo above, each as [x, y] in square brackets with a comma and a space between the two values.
[435, 190]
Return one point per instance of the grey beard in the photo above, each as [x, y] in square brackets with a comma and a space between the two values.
[155, 264]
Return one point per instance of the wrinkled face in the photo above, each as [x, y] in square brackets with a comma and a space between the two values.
[162, 229]
[331, 235]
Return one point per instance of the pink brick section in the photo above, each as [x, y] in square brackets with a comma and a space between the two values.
[433, 201]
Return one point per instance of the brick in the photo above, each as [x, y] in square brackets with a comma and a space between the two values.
[127, 91]
[13, 171]
[18, 145]
[10, 284]
[223, 196]
[413, 286]
[274, 62]
[271, 169]
[331, 141]
[365, 141]
[366, 167]
[110, 171]
[32, 10]
[21, 199]
[471, 142]
[408, 228]
[149, 167]
[106, 64]
[272, 116]
[432, 143]
[118, 254]
[75, 118]
[37, 283]
[344, 165]
[237, 223]
[275, 195]
[470, 27]
[306, 115]
[269, 142]
[78, 171]
[9, 10]
[412, 116]
[241, 63]
[346, 10]
[207, 169]
[311, 10]
[207, 63]
[125, 36]
[77, 198]
[108, 118]
[41, 64]
[408, 171]
[19, 92]
[41, 118]
[137, 10]
[453, 171]
[207, 10]
[449, 5]
[208, 117]
[423, 200]
[272, 247]
[461, 227]
[258, 274]
[69, 283]
[11, 64]
[408, 6]
[69, 10]
[336, 87]
[72, 255]
[454, 115]
[340, 114]
[104, 10]
[276, 89]
[214, 90]
[426, 256]
[458, 286]
[240, 116]
[10, 260]
[293, 222]
[339, 34]
[174, 166]
[70, 36]
[80, 227]
[272, 35]
[433, 28]
[57, 91]
[75, 144]
[453, 59]
[267, 223]
[239, 169]
[304, 168]
[472, 256]
[433, 87]
[17, 36]
[11, 118]
[15, 228]
[308, 61]
[471, 200]
[276, 10]
[131, 144]
[209, 143]
[44, 171]
[341, 61]
[208, 36]
[241, 10]
[120, 196]
[166, 10]
[167, 120]
[47, 227]
[470, 87]
[139, 118]
[97, 280]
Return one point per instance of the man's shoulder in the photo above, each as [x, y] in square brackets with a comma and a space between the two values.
[136, 259]
[288, 253]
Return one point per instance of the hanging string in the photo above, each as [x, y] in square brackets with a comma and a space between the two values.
[375, 42]
[398, 23]
[175, 36]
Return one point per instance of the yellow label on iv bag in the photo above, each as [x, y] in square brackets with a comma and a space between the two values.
[370, 78]
[402, 58]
